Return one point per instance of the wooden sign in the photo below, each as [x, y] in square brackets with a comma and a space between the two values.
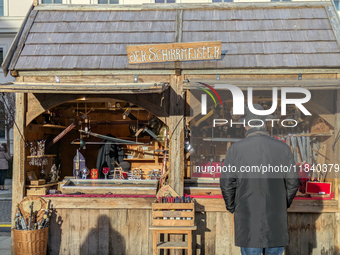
[153, 53]
[166, 191]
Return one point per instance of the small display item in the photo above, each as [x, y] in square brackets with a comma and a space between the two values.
[78, 164]
[41, 147]
[54, 173]
[321, 188]
[118, 174]
[106, 171]
[94, 173]
[31, 176]
[38, 182]
[84, 173]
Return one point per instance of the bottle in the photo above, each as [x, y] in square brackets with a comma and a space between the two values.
[187, 200]
[177, 202]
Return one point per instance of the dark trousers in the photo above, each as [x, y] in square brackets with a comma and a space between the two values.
[3, 173]
[266, 251]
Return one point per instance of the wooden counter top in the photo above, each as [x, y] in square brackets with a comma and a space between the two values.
[298, 206]
[203, 204]
[101, 202]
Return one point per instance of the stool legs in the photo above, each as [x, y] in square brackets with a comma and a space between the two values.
[189, 242]
[154, 241]
[167, 238]
[155, 234]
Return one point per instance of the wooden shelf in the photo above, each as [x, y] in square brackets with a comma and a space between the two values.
[49, 126]
[43, 156]
[299, 135]
[172, 245]
[41, 186]
[139, 159]
[310, 134]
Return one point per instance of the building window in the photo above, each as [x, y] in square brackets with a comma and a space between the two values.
[336, 3]
[165, 1]
[51, 1]
[108, 1]
[222, 1]
[1, 55]
[1, 8]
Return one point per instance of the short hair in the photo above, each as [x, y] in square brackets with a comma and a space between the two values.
[258, 128]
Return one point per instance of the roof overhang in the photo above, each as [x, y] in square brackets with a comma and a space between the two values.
[93, 88]
[254, 36]
[258, 84]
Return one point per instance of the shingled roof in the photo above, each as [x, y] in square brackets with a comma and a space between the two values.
[256, 35]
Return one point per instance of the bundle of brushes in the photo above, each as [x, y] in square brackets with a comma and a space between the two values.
[32, 222]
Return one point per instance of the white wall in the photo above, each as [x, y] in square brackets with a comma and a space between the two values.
[17, 8]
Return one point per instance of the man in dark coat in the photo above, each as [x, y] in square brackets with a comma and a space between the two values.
[259, 196]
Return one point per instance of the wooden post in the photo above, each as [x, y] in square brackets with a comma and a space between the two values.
[337, 161]
[176, 128]
[35, 2]
[18, 181]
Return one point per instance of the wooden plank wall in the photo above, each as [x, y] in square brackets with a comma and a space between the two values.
[126, 231]
[92, 231]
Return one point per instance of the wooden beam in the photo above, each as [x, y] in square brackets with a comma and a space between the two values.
[198, 6]
[267, 84]
[23, 38]
[333, 19]
[321, 111]
[94, 72]
[263, 71]
[115, 88]
[95, 79]
[5, 64]
[176, 128]
[179, 26]
[155, 104]
[94, 85]
[262, 77]
[160, 72]
[18, 181]
[38, 103]
[35, 2]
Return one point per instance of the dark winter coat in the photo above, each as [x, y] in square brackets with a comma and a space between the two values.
[107, 155]
[259, 201]
[3, 159]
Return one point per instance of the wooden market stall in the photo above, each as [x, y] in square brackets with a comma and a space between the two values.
[66, 53]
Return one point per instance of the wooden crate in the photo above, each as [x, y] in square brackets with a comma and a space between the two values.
[36, 191]
[38, 182]
[173, 210]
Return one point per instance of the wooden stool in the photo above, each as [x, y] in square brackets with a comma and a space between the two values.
[172, 245]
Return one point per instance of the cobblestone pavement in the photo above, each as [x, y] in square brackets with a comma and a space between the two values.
[6, 203]
[5, 211]
[5, 243]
